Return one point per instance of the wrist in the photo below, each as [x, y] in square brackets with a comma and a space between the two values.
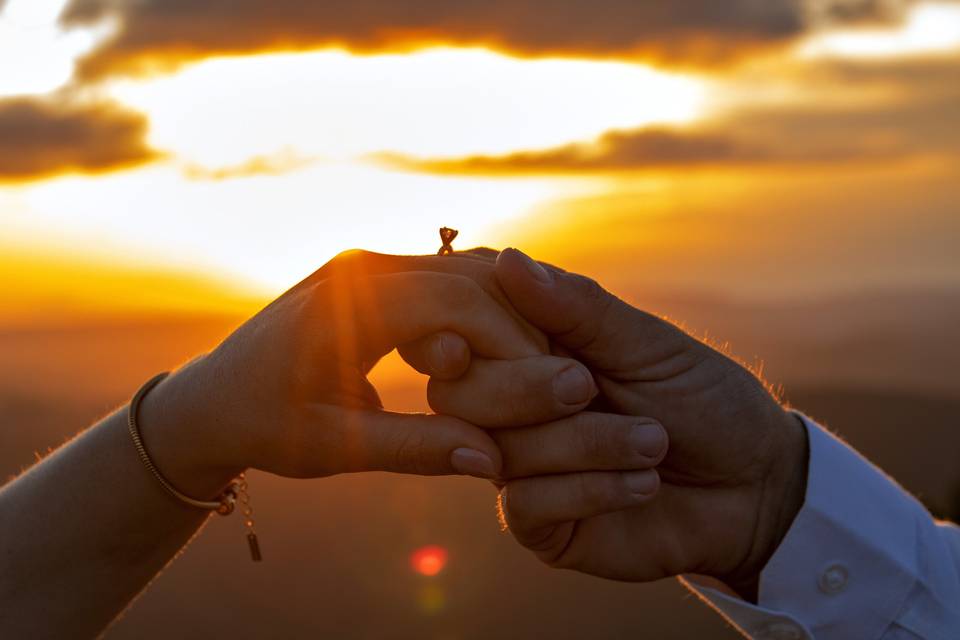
[781, 496]
[183, 439]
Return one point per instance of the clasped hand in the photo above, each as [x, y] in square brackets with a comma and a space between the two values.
[623, 447]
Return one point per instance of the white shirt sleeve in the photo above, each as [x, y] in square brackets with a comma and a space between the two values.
[862, 559]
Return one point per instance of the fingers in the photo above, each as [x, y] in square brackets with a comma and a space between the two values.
[586, 441]
[534, 505]
[483, 253]
[371, 440]
[476, 264]
[443, 355]
[578, 313]
[367, 317]
[509, 393]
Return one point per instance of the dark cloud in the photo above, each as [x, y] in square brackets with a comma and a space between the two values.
[162, 33]
[41, 138]
[918, 117]
[655, 148]
[617, 150]
[860, 12]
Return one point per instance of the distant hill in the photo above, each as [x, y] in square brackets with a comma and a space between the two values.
[906, 340]
[914, 438]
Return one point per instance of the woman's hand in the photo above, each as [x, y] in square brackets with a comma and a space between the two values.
[287, 392]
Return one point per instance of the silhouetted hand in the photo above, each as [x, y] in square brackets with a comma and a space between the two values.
[288, 393]
[532, 406]
[733, 477]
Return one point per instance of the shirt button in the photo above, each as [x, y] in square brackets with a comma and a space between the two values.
[833, 579]
[780, 631]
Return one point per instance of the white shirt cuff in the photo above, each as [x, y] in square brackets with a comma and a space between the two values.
[846, 566]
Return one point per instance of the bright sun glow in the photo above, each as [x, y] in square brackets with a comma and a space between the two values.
[316, 115]
[331, 104]
[37, 56]
[930, 28]
[268, 230]
[265, 176]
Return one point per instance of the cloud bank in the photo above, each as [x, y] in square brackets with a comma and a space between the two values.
[160, 34]
[916, 118]
[40, 138]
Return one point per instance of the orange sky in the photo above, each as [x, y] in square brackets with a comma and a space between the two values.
[764, 153]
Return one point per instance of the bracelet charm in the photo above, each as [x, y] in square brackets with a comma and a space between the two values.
[224, 504]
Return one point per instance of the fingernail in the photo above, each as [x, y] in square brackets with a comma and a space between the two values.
[443, 345]
[534, 267]
[648, 438]
[642, 483]
[470, 462]
[439, 356]
[573, 385]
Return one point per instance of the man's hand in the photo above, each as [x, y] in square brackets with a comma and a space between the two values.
[732, 480]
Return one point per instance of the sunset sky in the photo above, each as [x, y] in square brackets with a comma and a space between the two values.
[220, 151]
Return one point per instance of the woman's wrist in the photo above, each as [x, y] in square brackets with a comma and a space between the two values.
[184, 435]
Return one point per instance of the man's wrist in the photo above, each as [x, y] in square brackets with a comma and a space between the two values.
[781, 498]
[789, 481]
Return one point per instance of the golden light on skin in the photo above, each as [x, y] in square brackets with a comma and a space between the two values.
[931, 27]
[38, 57]
[438, 102]
[268, 231]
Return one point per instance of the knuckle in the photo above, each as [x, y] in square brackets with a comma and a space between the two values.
[549, 541]
[438, 395]
[410, 453]
[486, 279]
[350, 257]
[497, 415]
[587, 287]
[596, 489]
[461, 292]
[516, 501]
[563, 558]
[507, 396]
[592, 439]
[346, 264]
[620, 443]
[483, 252]
[596, 305]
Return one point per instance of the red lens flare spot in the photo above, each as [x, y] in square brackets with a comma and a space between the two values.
[429, 560]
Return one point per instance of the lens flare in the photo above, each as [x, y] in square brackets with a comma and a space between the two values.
[429, 560]
[431, 599]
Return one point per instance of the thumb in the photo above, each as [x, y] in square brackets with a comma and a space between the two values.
[577, 313]
[422, 444]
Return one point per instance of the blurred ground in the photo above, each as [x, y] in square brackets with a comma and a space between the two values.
[880, 370]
